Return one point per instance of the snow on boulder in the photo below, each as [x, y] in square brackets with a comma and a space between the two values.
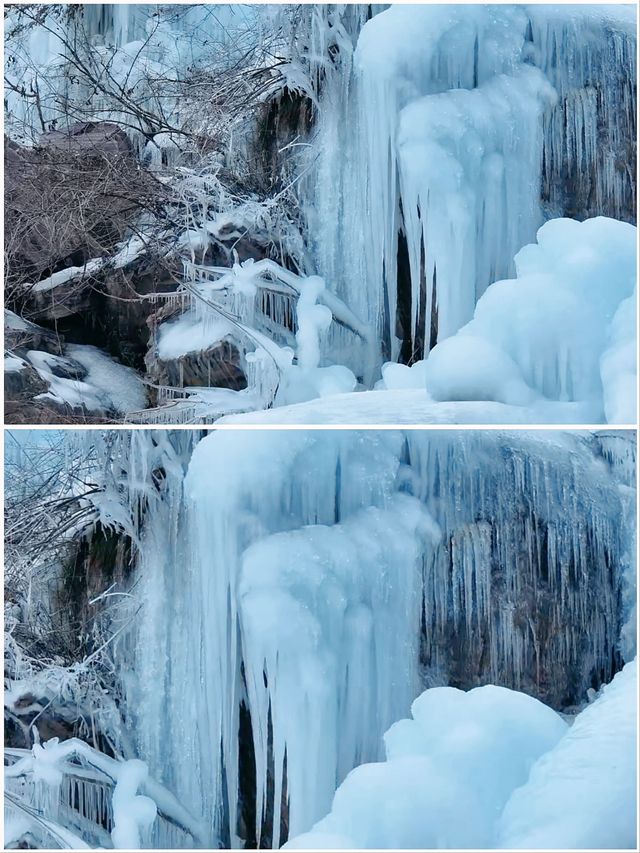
[449, 771]
[582, 794]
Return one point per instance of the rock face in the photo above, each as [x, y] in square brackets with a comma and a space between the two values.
[92, 563]
[22, 383]
[218, 366]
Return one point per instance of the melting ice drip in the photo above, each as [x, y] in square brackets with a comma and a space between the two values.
[314, 582]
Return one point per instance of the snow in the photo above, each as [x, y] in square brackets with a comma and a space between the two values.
[13, 321]
[468, 367]
[190, 334]
[415, 407]
[129, 250]
[120, 383]
[582, 794]
[108, 386]
[226, 303]
[399, 377]
[449, 771]
[64, 276]
[133, 814]
[545, 332]
[14, 364]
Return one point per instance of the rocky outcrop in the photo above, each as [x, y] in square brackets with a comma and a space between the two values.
[218, 367]
[70, 198]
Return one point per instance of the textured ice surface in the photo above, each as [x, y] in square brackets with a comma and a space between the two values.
[544, 333]
[416, 407]
[478, 124]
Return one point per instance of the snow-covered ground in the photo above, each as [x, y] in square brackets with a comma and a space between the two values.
[414, 407]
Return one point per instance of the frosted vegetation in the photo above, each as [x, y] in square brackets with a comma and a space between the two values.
[321, 638]
[435, 202]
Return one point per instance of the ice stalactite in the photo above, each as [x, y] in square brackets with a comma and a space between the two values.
[516, 574]
[310, 584]
[326, 662]
[476, 201]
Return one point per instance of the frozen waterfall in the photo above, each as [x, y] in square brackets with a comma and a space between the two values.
[477, 123]
[301, 588]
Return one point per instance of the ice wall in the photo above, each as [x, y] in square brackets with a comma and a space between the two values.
[311, 583]
[448, 773]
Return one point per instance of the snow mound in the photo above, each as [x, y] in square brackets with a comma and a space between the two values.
[449, 771]
[563, 329]
[582, 794]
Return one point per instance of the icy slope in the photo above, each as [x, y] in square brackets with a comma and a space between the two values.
[411, 406]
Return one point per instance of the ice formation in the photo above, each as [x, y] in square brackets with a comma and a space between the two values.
[494, 768]
[71, 783]
[443, 137]
[325, 578]
[466, 158]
